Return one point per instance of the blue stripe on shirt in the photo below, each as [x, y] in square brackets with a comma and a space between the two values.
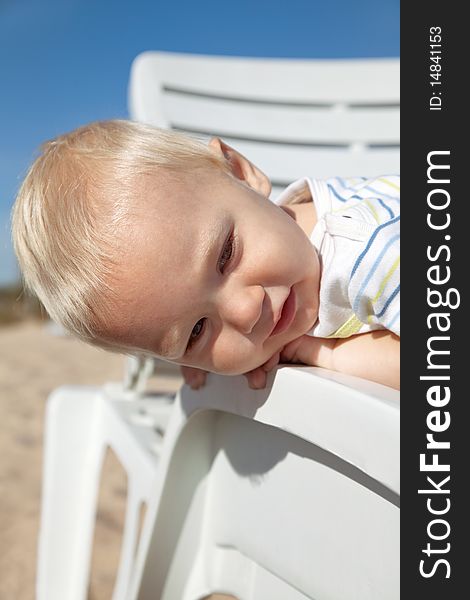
[369, 243]
[390, 197]
[387, 304]
[340, 198]
[372, 270]
[390, 211]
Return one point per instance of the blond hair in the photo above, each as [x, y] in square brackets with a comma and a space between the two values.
[68, 207]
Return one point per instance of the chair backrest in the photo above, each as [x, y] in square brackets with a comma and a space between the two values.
[292, 118]
[288, 494]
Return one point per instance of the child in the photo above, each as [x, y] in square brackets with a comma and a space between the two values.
[146, 241]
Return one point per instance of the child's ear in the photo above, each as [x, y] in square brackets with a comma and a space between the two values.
[241, 167]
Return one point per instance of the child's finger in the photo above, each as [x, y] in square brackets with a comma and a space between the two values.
[199, 380]
[256, 378]
[195, 378]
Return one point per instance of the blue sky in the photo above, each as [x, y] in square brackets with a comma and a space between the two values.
[66, 62]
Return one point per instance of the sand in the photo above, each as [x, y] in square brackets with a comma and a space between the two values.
[33, 362]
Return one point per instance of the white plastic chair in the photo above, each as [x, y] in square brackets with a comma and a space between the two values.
[81, 424]
[287, 494]
[292, 118]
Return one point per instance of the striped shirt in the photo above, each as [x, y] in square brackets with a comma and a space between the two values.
[357, 237]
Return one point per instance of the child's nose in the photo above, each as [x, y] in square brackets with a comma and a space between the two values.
[242, 308]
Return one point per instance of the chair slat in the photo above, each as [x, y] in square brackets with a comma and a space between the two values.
[310, 125]
[361, 81]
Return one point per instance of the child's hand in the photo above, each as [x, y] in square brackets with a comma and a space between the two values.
[196, 378]
[374, 355]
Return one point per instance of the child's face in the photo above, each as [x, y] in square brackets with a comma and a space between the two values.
[211, 263]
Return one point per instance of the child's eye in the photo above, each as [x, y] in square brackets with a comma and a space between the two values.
[227, 253]
[196, 332]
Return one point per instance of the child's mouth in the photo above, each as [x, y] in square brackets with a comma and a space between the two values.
[287, 314]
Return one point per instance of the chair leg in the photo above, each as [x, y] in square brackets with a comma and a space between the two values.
[73, 458]
[128, 548]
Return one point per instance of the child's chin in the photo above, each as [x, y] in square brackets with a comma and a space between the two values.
[244, 371]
